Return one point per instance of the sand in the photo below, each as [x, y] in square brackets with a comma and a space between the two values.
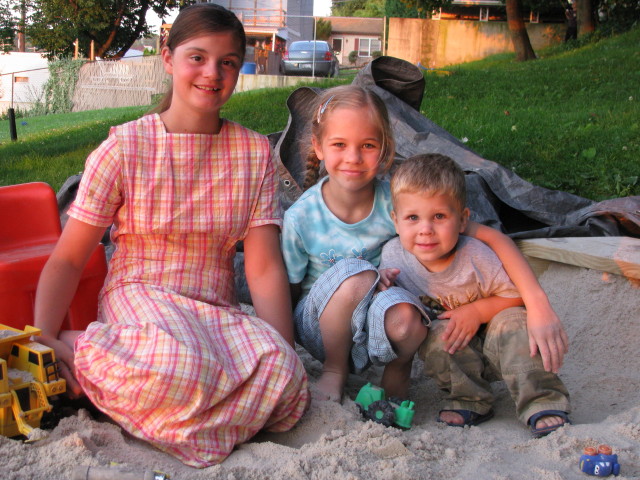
[601, 313]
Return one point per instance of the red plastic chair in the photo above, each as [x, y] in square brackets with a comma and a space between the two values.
[29, 229]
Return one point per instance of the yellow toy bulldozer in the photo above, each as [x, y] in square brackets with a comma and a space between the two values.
[28, 377]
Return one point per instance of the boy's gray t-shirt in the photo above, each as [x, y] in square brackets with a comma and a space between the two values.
[475, 272]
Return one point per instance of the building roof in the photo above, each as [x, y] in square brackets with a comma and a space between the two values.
[356, 25]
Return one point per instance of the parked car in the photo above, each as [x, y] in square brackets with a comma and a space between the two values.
[299, 59]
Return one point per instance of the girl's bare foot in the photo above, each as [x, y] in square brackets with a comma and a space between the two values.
[329, 387]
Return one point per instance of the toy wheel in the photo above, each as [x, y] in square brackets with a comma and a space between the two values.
[605, 449]
[381, 412]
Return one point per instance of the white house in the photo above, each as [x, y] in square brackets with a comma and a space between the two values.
[362, 35]
[22, 78]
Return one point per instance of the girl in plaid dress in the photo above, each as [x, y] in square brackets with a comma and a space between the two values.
[172, 357]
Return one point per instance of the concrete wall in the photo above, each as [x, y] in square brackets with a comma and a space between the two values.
[254, 82]
[437, 43]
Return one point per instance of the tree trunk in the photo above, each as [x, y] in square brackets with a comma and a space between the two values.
[22, 43]
[584, 12]
[519, 36]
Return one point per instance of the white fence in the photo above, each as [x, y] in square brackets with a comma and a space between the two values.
[119, 83]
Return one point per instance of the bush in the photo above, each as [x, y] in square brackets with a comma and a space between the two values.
[353, 57]
[376, 54]
[58, 90]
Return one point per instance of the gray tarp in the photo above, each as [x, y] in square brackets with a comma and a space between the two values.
[496, 195]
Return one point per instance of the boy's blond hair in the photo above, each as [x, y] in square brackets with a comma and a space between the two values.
[430, 173]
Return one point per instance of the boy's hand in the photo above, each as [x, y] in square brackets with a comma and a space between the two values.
[464, 323]
[387, 278]
[547, 335]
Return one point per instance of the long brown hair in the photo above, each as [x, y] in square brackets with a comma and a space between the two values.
[347, 96]
[196, 20]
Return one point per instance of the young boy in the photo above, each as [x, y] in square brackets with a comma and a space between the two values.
[483, 334]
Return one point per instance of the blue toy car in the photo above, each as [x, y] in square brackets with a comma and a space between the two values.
[600, 464]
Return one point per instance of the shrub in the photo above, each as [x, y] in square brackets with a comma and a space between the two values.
[58, 91]
[353, 57]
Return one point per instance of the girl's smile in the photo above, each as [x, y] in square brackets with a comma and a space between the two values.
[350, 147]
[205, 70]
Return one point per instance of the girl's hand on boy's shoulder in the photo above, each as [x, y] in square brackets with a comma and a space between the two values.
[464, 322]
[387, 278]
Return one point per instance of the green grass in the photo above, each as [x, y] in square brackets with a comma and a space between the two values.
[568, 121]
[51, 148]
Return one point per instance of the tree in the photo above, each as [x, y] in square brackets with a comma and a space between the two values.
[7, 26]
[113, 25]
[359, 8]
[519, 36]
[617, 15]
[399, 9]
[323, 29]
[585, 14]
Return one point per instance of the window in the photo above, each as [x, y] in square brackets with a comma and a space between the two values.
[366, 46]
[47, 358]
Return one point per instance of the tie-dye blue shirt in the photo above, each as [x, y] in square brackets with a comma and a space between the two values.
[314, 239]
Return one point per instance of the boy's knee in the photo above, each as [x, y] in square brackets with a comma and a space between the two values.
[506, 343]
[507, 327]
[434, 345]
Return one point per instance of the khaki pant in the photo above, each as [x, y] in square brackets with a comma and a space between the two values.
[499, 351]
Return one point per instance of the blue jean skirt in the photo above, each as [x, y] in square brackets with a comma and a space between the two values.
[370, 342]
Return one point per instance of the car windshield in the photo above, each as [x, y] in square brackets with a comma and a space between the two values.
[298, 46]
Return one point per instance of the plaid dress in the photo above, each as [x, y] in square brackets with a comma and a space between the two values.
[173, 359]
